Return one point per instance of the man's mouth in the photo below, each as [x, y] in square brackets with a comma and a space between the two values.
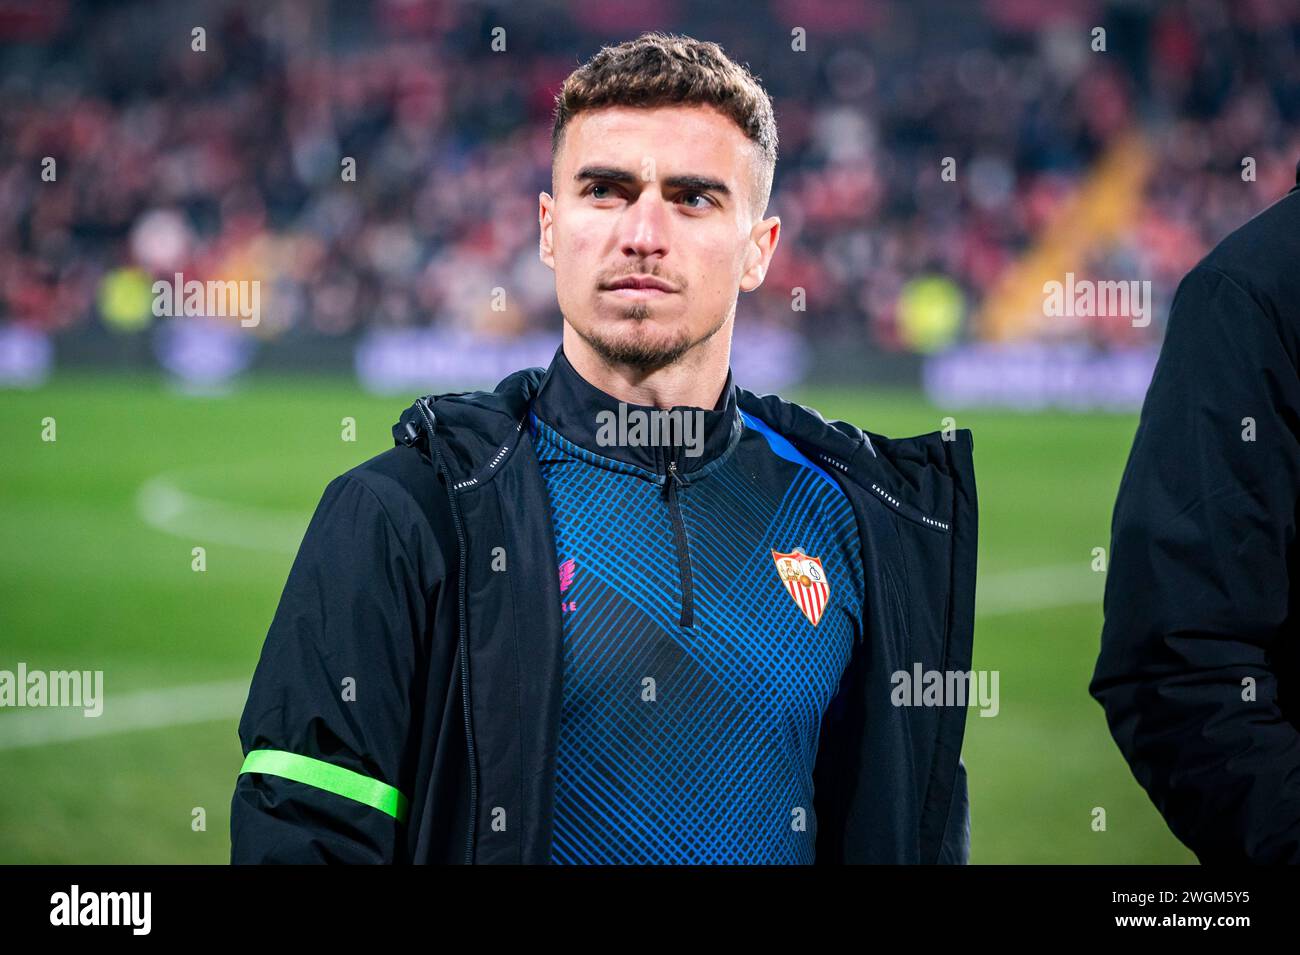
[639, 287]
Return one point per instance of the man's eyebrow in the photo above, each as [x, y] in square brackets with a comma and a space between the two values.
[614, 174]
[698, 184]
[607, 173]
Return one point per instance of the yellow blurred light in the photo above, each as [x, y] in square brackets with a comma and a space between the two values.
[126, 300]
[930, 311]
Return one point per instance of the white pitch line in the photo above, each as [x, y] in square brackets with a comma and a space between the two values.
[164, 506]
[1039, 588]
[141, 710]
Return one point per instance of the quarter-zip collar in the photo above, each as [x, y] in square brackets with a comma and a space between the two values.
[640, 435]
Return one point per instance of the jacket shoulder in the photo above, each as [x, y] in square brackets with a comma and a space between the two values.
[800, 423]
[915, 476]
[1260, 256]
[408, 490]
[472, 427]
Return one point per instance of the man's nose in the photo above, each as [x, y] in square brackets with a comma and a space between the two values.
[644, 226]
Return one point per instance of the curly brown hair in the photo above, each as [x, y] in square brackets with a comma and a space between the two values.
[664, 69]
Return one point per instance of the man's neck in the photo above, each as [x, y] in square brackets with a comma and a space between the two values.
[696, 380]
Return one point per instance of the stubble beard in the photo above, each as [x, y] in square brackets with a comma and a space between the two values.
[638, 353]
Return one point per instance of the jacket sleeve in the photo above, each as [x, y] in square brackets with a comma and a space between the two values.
[329, 715]
[955, 849]
[1199, 585]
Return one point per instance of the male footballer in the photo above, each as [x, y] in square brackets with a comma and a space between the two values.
[622, 610]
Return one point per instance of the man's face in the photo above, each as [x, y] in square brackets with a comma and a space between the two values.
[661, 198]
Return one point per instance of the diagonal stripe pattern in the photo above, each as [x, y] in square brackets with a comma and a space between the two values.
[686, 745]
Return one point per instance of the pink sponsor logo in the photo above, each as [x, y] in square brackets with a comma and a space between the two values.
[567, 570]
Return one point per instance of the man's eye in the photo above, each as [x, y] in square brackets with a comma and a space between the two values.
[591, 190]
[704, 200]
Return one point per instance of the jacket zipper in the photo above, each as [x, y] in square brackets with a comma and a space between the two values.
[672, 485]
[463, 646]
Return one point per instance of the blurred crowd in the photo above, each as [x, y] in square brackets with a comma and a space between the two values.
[229, 162]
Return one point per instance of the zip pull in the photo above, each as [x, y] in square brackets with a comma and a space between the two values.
[671, 483]
[674, 456]
[672, 480]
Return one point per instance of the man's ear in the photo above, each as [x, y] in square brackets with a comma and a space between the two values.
[758, 253]
[545, 222]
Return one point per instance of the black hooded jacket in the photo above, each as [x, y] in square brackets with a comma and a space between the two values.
[406, 703]
[1198, 668]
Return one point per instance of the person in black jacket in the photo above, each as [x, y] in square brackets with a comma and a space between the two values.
[622, 610]
[1198, 666]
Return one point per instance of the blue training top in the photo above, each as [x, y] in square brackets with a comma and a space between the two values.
[712, 591]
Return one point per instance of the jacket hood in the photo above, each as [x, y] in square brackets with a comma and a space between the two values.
[478, 430]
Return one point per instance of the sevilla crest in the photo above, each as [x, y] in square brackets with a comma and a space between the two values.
[805, 580]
